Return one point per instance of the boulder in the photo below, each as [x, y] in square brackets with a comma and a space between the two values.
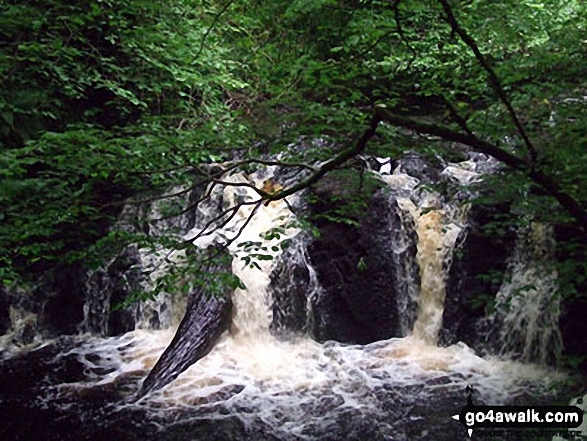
[353, 259]
[291, 286]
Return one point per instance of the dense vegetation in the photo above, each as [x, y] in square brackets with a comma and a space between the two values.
[107, 100]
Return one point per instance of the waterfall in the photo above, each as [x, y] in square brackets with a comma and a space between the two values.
[437, 225]
[436, 242]
[254, 249]
[290, 386]
[527, 306]
[282, 379]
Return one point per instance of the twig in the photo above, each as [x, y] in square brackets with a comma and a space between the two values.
[224, 246]
[203, 232]
[188, 208]
[243, 226]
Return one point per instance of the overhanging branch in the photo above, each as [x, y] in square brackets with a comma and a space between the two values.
[546, 182]
[334, 163]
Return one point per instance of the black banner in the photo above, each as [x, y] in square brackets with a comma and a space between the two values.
[509, 417]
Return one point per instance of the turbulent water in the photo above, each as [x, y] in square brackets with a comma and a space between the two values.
[527, 305]
[297, 388]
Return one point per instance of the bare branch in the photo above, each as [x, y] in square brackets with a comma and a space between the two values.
[335, 162]
[156, 198]
[224, 246]
[211, 179]
[242, 228]
[204, 231]
[208, 179]
[260, 192]
[189, 208]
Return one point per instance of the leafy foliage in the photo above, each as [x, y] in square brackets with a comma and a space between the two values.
[104, 100]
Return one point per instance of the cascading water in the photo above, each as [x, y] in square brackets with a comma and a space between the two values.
[136, 269]
[437, 228]
[296, 388]
[435, 246]
[22, 331]
[527, 306]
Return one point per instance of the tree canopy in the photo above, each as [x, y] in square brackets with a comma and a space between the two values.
[110, 102]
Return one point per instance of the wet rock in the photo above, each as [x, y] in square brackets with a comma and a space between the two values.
[291, 286]
[63, 311]
[44, 366]
[229, 429]
[221, 395]
[354, 264]
[25, 334]
[4, 311]
[475, 276]
[52, 307]
[390, 411]
[572, 246]
[108, 286]
[416, 166]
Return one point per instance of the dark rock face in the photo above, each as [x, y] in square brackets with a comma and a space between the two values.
[58, 299]
[206, 318]
[108, 286]
[574, 331]
[65, 301]
[53, 307]
[572, 245]
[4, 311]
[291, 285]
[475, 276]
[354, 266]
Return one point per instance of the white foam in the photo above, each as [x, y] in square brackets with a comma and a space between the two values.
[282, 382]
